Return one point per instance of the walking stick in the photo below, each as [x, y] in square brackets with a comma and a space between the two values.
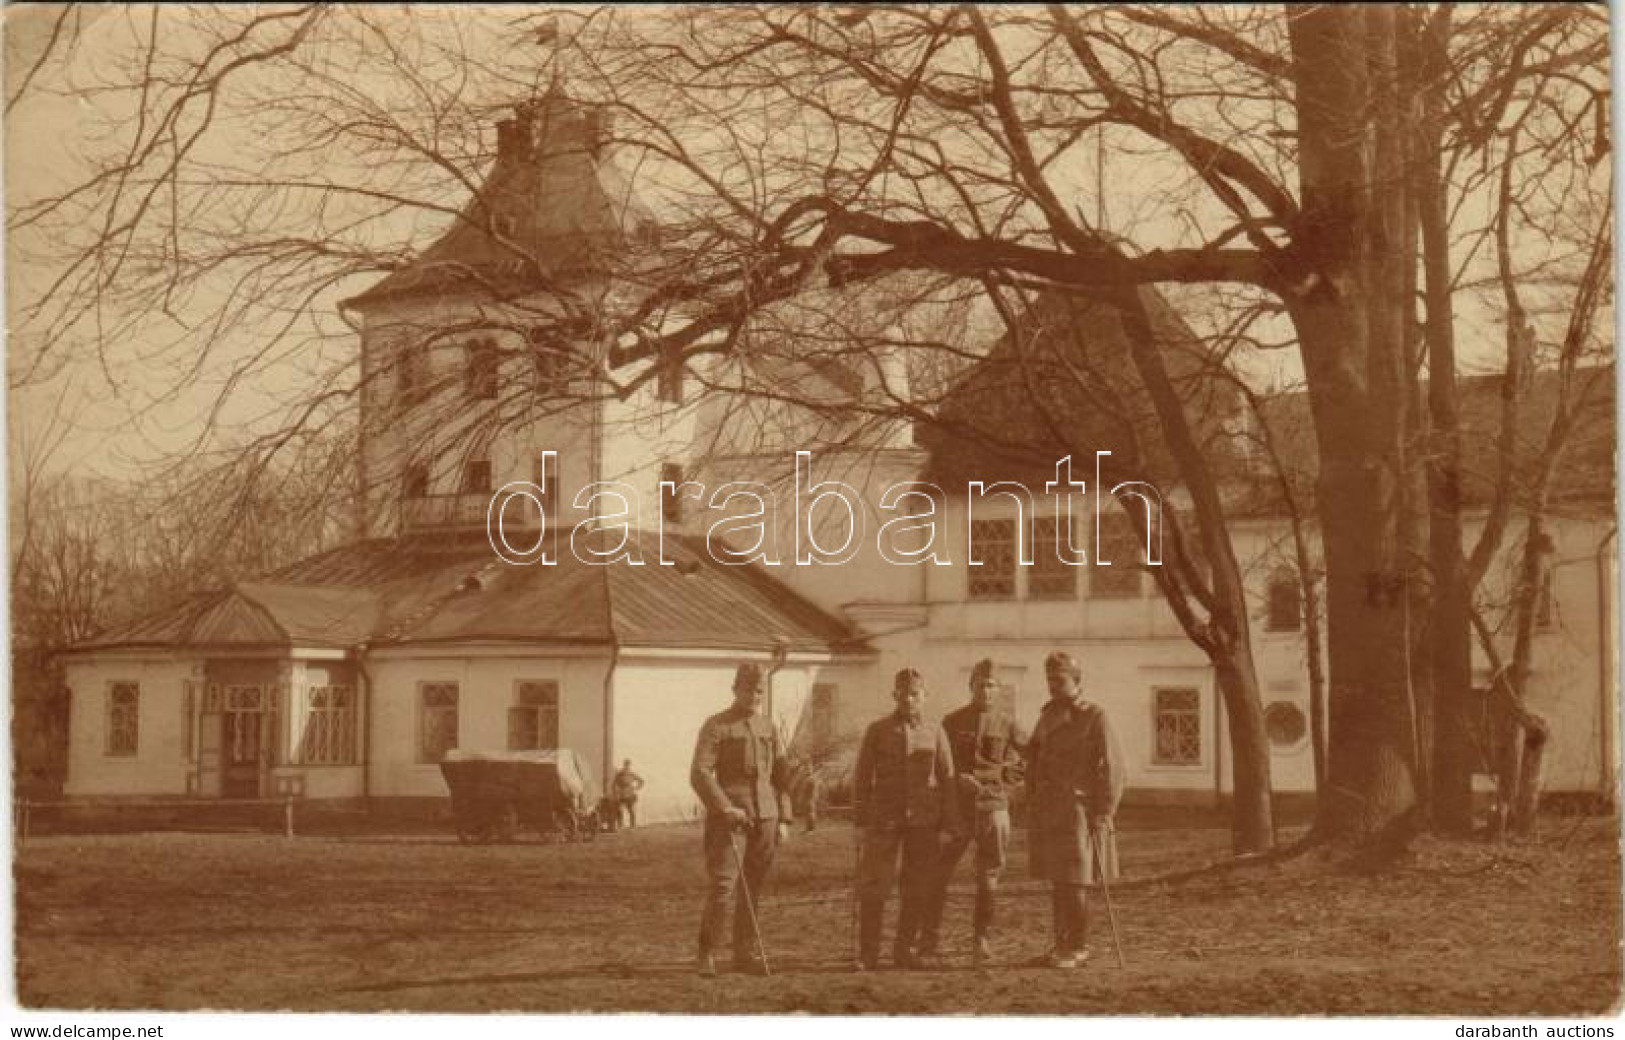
[750, 903]
[1106, 890]
[857, 875]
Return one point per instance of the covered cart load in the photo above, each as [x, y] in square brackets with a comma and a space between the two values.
[494, 793]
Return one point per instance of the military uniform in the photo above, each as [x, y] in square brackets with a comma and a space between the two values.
[738, 763]
[902, 798]
[1074, 782]
[627, 785]
[986, 748]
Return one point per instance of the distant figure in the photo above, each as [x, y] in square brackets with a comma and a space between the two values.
[807, 795]
[815, 795]
[627, 785]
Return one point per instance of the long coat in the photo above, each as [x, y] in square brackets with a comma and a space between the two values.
[1074, 775]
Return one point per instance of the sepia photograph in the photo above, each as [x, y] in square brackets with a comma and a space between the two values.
[1100, 510]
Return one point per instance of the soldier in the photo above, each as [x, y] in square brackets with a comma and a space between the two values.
[1074, 782]
[902, 798]
[986, 748]
[627, 786]
[741, 775]
[807, 792]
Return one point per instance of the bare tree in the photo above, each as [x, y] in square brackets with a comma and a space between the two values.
[280, 153]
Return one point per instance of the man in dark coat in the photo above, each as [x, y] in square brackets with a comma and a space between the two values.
[902, 799]
[742, 777]
[1074, 782]
[986, 748]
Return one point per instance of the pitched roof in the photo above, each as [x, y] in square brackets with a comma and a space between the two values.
[553, 203]
[1586, 470]
[388, 591]
[1064, 383]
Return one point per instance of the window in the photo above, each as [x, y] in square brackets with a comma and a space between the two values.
[123, 718]
[411, 376]
[329, 734]
[415, 481]
[1121, 546]
[993, 549]
[551, 357]
[533, 722]
[1545, 602]
[1283, 603]
[1051, 576]
[1178, 731]
[1284, 724]
[476, 477]
[483, 363]
[671, 499]
[438, 719]
[669, 380]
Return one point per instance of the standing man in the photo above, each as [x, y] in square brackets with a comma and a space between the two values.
[902, 798]
[741, 775]
[627, 786]
[986, 748]
[1074, 782]
[807, 794]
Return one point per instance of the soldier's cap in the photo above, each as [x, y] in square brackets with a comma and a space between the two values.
[1060, 661]
[983, 669]
[907, 679]
[748, 675]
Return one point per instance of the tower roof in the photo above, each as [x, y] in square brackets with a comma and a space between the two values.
[553, 204]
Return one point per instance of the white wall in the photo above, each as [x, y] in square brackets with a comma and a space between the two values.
[159, 765]
[660, 705]
[392, 438]
[486, 692]
[1573, 681]
[866, 576]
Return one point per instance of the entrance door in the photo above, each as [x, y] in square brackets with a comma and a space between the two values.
[242, 743]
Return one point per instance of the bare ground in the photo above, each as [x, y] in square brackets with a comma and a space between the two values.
[363, 923]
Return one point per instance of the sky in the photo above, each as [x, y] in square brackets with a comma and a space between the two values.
[146, 412]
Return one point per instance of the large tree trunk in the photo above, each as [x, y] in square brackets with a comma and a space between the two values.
[1350, 314]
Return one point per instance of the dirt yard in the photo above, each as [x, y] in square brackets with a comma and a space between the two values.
[245, 921]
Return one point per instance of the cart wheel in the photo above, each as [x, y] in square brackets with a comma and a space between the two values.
[506, 826]
[564, 825]
[589, 828]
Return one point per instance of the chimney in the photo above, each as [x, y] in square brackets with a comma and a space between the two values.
[600, 127]
[514, 138]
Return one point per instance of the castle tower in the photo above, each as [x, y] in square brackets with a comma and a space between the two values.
[474, 354]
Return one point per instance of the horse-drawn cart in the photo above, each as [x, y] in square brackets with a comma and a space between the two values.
[495, 793]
